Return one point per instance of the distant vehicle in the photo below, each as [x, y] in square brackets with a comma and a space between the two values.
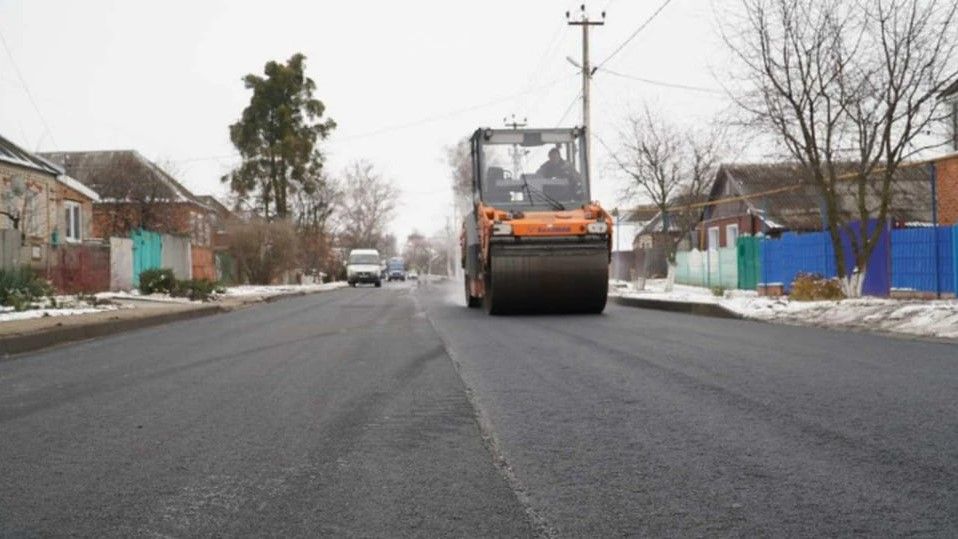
[363, 267]
[396, 269]
[413, 275]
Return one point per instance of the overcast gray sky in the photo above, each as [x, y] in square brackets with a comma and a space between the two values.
[402, 79]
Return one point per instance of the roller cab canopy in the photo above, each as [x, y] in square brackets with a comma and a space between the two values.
[530, 170]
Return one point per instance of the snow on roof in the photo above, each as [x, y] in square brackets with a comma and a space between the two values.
[15, 155]
[78, 187]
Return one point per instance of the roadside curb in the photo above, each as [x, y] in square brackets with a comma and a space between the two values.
[30, 342]
[699, 309]
[14, 345]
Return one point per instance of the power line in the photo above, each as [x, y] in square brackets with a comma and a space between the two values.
[664, 84]
[569, 109]
[26, 89]
[450, 114]
[635, 33]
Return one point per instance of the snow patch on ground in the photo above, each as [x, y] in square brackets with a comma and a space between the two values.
[937, 318]
[107, 301]
[61, 306]
[272, 290]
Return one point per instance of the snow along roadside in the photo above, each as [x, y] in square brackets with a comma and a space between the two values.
[935, 318]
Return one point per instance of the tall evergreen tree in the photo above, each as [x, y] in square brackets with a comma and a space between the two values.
[277, 137]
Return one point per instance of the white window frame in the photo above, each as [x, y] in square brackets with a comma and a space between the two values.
[718, 238]
[729, 241]
[73, 221]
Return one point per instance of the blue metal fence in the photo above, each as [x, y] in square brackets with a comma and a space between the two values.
[784, 258]
[923, 259]
[914, 259]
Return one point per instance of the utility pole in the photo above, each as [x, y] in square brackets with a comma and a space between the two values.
[516, 154]
[515, 124]
[587, 72]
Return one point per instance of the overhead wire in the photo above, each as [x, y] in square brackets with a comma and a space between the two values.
[26, 89]
[569, 108]
[450, 114]
[664, 84]
[635, 33]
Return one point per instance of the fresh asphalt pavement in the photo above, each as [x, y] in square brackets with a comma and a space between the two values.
[397, 411]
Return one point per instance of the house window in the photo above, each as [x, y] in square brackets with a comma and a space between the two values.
[731, 235]
[71, 229]
[713, 238]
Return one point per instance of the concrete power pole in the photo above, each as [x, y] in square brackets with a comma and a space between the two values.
[516, 153]
[587, 72]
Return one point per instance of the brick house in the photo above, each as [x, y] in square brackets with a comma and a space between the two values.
[776, 197]
[49, 207]
[655, 234]
[946, 175]
[220, 219]
[136, 193]
[950, 96]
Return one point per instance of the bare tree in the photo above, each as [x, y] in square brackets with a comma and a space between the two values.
[16, 200]
[418, 252]
[135, 196]
[314, 205]
[263, 250]
[849, 89]
[673, 168]
[459, 159]
[368, 204]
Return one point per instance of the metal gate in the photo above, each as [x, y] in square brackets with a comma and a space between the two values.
[147, 252]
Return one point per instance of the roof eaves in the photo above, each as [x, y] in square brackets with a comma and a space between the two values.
[77, 186]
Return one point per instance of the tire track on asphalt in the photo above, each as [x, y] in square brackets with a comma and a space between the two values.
[490, 440]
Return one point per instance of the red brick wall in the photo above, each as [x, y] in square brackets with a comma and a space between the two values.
[168, 218]
[80, 268]
[947, 172]
[747, 225]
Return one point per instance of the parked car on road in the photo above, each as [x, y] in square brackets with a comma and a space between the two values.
[363, 267]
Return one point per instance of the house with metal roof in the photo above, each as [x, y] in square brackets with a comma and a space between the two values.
[135, 193]
[41, 207]
[771, 198]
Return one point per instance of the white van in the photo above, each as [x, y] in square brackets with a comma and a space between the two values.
[363, 267]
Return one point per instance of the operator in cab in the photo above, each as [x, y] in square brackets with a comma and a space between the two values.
[557, 167]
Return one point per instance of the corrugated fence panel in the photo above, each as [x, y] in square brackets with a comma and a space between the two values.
[749, 262]
[682, 274]
[147, 252]
[915, 265]
[121, 264]
[177, 256]
[697, 275]
[728, 267]
[784, 258]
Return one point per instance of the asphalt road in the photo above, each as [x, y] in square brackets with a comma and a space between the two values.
[397, 411]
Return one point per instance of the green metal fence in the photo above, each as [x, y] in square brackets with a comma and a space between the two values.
[749, 262]
[715, 268]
